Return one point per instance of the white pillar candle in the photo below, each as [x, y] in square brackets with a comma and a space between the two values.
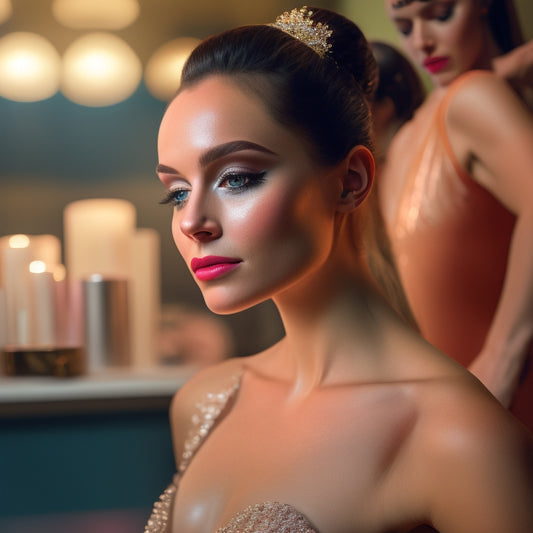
[63, 317]
[145, 296]
[98, 236]
[15, 259]
[42, 305]
[75, 335]
[3, 320]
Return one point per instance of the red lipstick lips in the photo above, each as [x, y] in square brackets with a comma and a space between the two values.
[213, 266]
[435, 64]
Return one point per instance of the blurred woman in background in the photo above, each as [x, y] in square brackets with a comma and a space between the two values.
[455, 194]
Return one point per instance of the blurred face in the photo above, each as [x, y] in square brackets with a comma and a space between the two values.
[252, 212]
[445, 37]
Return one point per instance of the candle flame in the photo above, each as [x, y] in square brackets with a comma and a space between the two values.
[37, 267]
[19, 241]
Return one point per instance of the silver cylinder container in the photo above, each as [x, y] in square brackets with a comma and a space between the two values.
[107, 330]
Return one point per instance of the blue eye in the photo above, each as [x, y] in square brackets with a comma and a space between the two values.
[177, 197]
[241, 181]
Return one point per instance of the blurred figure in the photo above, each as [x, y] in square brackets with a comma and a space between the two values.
[455, 194]
[400, 92]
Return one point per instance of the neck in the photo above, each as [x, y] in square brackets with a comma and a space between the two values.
[334, 327]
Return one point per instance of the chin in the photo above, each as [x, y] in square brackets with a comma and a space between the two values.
[224, 304]
[226, 307]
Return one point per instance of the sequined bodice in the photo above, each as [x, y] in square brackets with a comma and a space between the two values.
[265, 517]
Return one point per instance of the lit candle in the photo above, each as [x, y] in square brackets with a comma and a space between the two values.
[45, 248]
[42, 305]
[15, 280]
[3, 320]
[63, 317]
[98, 236]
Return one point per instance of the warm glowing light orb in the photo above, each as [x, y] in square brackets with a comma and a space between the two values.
[30, 67]
[163, 70]
[96, 14]
[100, 69]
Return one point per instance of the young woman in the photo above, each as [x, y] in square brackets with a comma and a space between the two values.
[351, 422]
[456, 194]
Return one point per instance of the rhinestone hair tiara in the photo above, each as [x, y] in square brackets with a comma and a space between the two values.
[299, 24]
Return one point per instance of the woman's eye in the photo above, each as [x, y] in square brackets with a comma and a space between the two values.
[176, 197]
[444, 13]
[404, 28]
[236, 182]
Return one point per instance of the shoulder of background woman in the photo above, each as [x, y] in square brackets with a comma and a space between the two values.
[476, 88]
[480, 103]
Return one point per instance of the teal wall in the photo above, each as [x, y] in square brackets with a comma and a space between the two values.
[85, 462]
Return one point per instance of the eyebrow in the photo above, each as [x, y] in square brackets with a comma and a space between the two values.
[220, 151]
[403, 3]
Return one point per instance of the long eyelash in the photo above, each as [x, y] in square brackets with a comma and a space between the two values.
[167, 199]
[170, 198]
[253, 180]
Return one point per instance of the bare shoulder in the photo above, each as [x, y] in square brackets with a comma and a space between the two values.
[483, 98]
[473, 461]
[212, 380]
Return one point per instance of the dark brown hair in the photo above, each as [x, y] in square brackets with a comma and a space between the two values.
[398, 80]
[326, 100]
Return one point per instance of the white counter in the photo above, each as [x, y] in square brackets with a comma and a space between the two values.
[19, 394]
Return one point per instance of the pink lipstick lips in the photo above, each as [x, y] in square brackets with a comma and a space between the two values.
[435, 64]
[213, 266]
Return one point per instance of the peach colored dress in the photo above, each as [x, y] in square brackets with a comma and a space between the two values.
[451, 239]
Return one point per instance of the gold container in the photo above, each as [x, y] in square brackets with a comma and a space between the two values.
[43, 361]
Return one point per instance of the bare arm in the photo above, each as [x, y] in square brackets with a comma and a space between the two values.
[494, 139]
[517, 68]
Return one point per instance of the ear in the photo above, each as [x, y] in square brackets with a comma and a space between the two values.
[357, 178]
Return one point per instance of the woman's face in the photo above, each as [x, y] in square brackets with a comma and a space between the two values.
[445, 37]
[252, 211]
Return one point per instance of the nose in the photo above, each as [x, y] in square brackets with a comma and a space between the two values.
[198, 221]
[422, 37]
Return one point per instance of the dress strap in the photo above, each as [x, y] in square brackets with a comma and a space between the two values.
[451, 91]
[207, 414]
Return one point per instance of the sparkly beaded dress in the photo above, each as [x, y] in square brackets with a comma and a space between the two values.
[265, 517]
